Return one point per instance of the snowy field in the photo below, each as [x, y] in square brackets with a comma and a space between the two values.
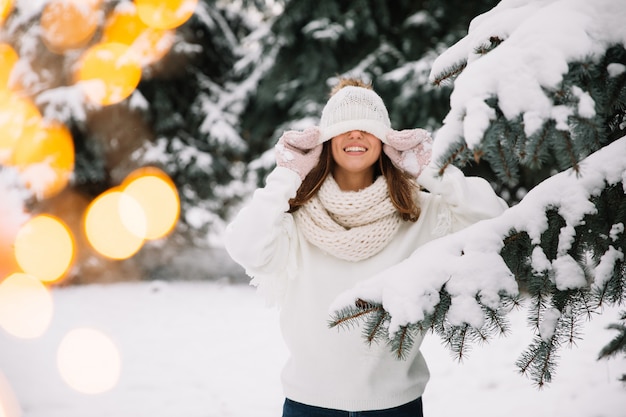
[191, 349]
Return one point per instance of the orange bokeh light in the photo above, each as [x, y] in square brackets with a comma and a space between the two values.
[106, 230]
[25, 306]
[108, 73]
[69, 24]
[165, 14]
[158, 196]
[44, 248]
[12, 217]
[46, 159]
[19, 118]
[8, 58]
[8, 264]
[147, 44]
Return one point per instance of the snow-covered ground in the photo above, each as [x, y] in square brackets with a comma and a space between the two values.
[203, 349]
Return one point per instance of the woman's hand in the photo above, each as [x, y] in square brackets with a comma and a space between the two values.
[410, 149]
[299, 151]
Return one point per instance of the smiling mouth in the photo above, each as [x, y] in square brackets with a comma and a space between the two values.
[355, 149]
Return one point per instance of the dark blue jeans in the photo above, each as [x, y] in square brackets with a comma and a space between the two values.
[295, 409]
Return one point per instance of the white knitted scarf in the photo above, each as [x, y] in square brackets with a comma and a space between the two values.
[351, 225]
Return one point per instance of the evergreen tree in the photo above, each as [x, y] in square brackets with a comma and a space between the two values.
[391, 44]
[183, 118]
[237, 74]
[195, 111]
[530, 100]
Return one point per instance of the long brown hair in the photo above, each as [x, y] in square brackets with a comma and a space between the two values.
[401, 186]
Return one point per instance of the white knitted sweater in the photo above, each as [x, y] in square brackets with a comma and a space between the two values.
[335, 368]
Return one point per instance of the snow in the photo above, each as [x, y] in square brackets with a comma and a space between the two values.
[30, 7]
[586, 105]
[539, 39]
[182, 347]
[468, 260]
[479, 117]
[604, 270]
[418, 19]
[63, 104]
[539, 260]
[548, 326]
[616, 230]
[210, 349]
[568, 274]
[615, 69]
[323, 29]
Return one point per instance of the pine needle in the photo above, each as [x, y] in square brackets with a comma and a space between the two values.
[349, 316]
[450, 73]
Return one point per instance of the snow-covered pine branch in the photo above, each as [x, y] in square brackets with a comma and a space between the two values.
[543, 85]
[457, 283]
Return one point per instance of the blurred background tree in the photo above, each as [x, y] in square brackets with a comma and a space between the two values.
[391, 45]
[215, 94]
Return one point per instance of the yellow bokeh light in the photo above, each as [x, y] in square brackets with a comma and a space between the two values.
[8, 58]
[25, 306]
[69, 24]
[165, 14]
[108, 73]
[158, 196]
[147, 44]
[105, 229]
[89, 361]
[19, 118]
[5, 9]
[46, 159]
[44, 248]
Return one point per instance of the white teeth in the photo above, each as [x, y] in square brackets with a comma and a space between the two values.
[355, 149]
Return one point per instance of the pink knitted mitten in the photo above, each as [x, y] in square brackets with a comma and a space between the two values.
[299, 150]
[410, 149]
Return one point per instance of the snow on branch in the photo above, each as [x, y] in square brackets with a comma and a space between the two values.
[519, 66]
[497, 23]
[465, 282]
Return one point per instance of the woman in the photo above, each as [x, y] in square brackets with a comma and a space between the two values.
[342, 205]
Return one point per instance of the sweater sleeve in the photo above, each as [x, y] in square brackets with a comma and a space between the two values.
[261, 237]
[459, 200]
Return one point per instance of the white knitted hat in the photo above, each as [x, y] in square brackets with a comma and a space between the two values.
[354, 108]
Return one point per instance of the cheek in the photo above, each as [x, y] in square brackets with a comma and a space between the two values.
[334, 149]
[377, 149]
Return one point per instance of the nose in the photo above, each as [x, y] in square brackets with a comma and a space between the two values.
[355, 134]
